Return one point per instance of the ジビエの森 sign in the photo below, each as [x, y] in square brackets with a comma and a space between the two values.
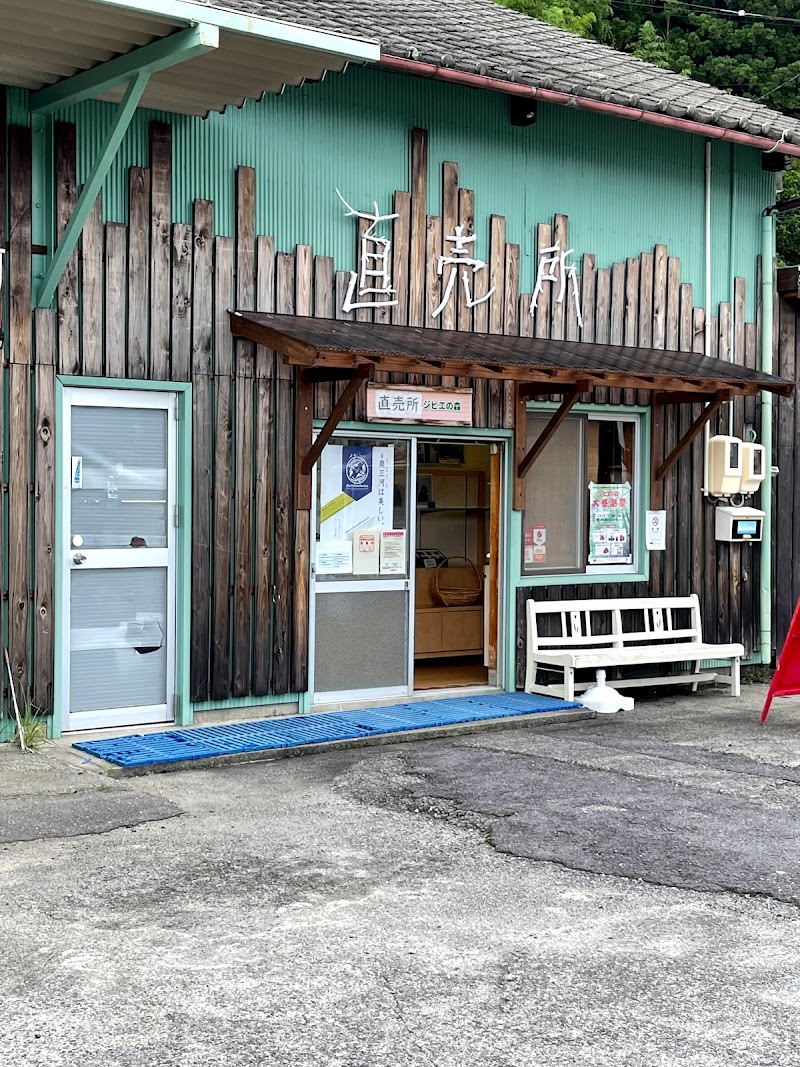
[419, 403]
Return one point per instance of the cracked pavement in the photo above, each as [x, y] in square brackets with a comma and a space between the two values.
[622, 891]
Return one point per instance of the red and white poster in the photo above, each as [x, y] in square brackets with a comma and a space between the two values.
[535, 549]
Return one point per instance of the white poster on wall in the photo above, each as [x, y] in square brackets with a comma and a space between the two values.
[393, 552]
[656, 531]
[356, 490]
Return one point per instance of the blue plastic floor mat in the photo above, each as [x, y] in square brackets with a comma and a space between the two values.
[202, 742]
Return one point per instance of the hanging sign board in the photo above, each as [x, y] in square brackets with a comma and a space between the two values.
[786, 679]
[419, 403]
[656, 531]
[610, 523]
[356, 490]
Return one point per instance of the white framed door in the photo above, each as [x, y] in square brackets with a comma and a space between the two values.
[118, 554]
[362, 637]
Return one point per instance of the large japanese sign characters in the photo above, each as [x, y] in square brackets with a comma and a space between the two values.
[371, 285]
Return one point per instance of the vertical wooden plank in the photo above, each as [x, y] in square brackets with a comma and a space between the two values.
[244, 352]
[401, 256]
[646, 266]
[659, 333]
[202, 298]
[19, 472]
[160, 221]
[558, 307]
[115, 300]
[67, 293]
[510, 322]
[631, 323]
[616, 326]
[181, 302]
[323, 309]
[419, 211]
[602, 306]
[724, 353]
[698, 455]
[449, 223]
[524, 317]
[480, 324]
[739, 353]
[588, 296]
[92, 291]
[265, 361]
[138, 271]
[44, 511]
[466, 220]
[544, 239]
[283, 544]
[685, 323]
[673, 311]
[302, 516]
[433, 283]
[223, 485]
[497, 267]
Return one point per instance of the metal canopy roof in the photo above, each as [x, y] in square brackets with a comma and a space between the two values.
[310, 342]
[46, 41]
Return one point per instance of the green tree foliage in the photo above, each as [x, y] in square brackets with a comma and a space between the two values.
[788, 229]
[748, 56]
[589, 18]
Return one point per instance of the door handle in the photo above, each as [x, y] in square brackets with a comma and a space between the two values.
[79, 558]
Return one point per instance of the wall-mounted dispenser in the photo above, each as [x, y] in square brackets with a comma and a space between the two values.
[754, 467]
[724, 465]
[738, 524]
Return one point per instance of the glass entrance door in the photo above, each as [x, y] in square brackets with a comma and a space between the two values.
[119, 550]
[361, 570]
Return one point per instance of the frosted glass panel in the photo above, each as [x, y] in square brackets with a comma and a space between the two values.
[118, 645]
[122, 498]
[361, 641]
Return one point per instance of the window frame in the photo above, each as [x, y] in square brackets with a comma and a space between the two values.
[638, 570]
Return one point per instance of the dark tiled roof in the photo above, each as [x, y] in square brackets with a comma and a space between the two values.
[481, 37]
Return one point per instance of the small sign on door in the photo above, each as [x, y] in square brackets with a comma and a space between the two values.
[77, 472]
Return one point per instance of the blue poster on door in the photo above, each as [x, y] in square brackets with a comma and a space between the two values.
[356, 471]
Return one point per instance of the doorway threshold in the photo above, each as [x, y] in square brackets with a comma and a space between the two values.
[295, 734]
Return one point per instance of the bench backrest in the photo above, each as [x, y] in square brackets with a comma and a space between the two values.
[618, 623]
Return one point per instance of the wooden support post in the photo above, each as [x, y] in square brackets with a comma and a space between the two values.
[660, 469]
[536, 449]
[520, 444]
[303, 434]
[308, 450]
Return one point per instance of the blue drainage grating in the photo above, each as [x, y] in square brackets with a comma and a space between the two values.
[202, 742]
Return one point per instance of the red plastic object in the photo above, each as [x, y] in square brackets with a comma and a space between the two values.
[786, 680]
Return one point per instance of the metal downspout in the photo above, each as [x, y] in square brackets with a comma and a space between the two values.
[767, 310]
[707, 252]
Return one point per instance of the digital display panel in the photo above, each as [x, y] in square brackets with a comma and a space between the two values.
[746, 527]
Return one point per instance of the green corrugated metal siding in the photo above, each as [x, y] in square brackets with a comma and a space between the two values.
[625, 186]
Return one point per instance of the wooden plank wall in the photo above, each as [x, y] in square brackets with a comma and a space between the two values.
[149, 300]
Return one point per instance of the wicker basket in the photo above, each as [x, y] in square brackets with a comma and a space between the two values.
[458, 596]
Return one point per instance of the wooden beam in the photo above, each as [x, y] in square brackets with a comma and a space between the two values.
[520, 445]
[303, 435]
[536, 449]
[308, 460]
[677, 397]
[698, 424]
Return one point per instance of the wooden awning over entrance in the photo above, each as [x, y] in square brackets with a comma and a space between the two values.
[326, 349]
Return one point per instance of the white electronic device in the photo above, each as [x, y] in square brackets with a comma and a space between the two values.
[724, 465]
[738, 524]
[754, 467]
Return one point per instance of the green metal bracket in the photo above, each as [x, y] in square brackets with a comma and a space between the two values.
[150, 58]
[92, 187]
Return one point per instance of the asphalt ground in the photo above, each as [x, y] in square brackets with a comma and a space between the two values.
[622, 891]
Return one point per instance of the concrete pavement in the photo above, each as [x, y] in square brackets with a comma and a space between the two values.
[574, 896]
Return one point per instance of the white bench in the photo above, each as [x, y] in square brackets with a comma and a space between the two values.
[572, 635]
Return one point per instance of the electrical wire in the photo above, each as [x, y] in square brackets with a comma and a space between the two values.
[665, 8]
